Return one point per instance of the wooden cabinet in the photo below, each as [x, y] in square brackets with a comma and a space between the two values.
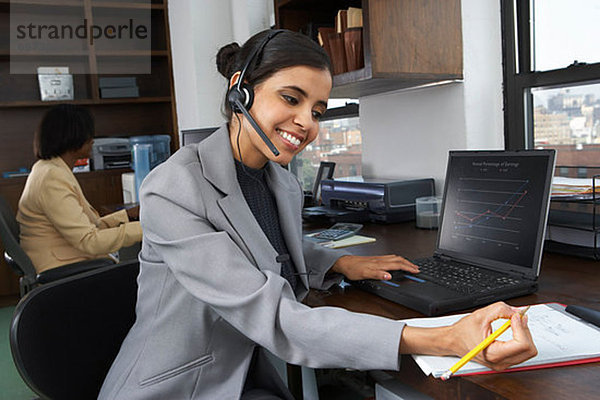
[21, 108]
[407, 43]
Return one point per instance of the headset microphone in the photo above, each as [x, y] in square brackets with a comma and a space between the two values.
[241, 95]
[257, 128]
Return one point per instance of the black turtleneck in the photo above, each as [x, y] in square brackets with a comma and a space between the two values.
[261, 201]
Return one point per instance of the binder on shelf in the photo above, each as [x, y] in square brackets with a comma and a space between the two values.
[338, 53]
[118, 87]
[341, 21]
[355, 17]
[119, 92]
[323, 37]
[117, 81]
[353, 45]
[344, 43]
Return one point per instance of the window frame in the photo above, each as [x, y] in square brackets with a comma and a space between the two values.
[518, 76]
[350, 110]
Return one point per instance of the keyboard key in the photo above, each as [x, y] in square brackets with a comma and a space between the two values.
[460, 277]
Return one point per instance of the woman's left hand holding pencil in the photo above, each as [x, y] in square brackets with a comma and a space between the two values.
[472, 329]
[468, 332]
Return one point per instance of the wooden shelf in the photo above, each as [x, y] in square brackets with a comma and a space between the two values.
[80, 3]
[114, 4]
[132, 53]
[40, 54]
[355, 84]
[53, 3]
[113, 171]
[115, 53]
[99, 102]
[101, 53]
[406, 43]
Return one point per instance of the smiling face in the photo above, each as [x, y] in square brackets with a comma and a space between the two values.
[287, 106]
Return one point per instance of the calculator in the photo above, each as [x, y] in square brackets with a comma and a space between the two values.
[338, 231]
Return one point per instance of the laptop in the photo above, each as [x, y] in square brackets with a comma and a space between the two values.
[490, 241]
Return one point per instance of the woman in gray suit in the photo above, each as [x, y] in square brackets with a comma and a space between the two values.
[224, 267]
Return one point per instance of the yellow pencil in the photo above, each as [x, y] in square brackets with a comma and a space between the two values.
[485, 343]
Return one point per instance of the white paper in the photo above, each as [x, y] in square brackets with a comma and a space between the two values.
[53, 70]
[557, 336]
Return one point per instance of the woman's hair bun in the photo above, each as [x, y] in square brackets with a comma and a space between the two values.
[226, 59]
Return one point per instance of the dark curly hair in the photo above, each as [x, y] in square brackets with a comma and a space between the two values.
[286, 49]
[64, 127]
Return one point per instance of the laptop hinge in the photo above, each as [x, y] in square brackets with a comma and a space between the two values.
[520, 274]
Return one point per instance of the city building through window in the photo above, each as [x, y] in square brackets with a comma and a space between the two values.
[551, 72]
[339, 141]
[568, 120]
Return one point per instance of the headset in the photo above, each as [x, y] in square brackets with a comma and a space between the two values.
[241, 95]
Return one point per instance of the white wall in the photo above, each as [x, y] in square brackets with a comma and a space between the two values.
[408, 133]
[198, 30]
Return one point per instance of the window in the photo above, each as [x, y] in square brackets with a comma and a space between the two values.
[552, 78]
[568, 120]
[339, 141]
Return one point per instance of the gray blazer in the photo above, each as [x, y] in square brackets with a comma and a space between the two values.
[210, 289]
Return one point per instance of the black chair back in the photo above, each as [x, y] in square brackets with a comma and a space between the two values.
[14, 255]
[65, 334]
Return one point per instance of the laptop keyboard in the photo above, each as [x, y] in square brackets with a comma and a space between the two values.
[462, 278]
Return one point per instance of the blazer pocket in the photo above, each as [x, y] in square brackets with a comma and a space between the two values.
[66, 253]
[197, 363]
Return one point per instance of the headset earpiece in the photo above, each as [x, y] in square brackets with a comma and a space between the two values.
[243, 94]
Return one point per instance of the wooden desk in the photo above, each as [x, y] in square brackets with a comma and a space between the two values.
[563, 279]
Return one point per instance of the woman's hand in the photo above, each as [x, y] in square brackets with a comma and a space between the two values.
[465, 334]
[376, 267]
[472, 329]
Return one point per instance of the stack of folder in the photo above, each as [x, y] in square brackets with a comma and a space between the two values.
[118, 87]
[344, 43]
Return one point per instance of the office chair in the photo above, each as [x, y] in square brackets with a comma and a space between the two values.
[21, 264]
[64, 335]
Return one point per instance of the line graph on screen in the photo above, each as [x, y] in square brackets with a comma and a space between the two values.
[490, 210]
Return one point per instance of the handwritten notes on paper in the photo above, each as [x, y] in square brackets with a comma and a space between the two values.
[558, 336]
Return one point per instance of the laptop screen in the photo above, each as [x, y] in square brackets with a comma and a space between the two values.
[495, 208]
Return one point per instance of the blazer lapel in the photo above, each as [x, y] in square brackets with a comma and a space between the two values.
[289, 207]
[219, 168]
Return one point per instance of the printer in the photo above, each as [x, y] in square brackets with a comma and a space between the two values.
[376, 200]
[108, 153]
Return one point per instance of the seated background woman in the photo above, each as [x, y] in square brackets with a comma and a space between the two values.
[58, 225]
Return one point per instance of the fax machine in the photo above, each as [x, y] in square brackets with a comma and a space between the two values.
[108, 153]
[377, 200]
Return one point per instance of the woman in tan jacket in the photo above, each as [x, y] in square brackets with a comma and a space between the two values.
[58, 225]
